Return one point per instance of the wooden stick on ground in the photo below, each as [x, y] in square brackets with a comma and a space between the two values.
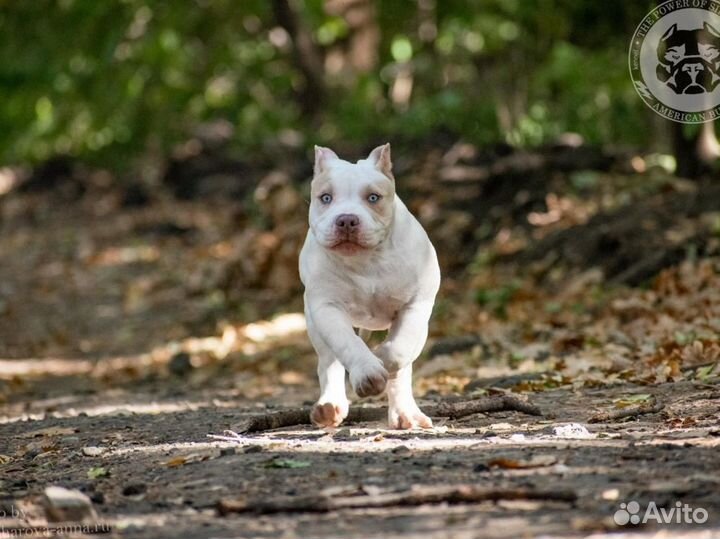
[451, 410]
[624, 413]
[417, 495]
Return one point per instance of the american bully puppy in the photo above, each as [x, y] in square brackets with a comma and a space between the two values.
[367, 264]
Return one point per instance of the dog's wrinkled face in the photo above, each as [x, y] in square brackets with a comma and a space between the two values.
[351, 207]
[688, 60]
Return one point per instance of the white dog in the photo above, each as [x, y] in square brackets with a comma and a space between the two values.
[368, 264]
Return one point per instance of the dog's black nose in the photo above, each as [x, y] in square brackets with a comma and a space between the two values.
[347, 221]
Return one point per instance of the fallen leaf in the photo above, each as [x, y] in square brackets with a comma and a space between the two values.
[682, 422]
[512, 464]
[631, 400]
[186, 459]
[176, 461]
[40, 446]
[703, 373]
[96, 472]
[287, 463]
[50, 431]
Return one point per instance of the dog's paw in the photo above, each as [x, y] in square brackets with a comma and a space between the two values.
[328, 414]
[369, 380]
[408, 417]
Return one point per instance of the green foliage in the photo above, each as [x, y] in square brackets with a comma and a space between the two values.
[287, 463]
[497, 299]
[112, 80]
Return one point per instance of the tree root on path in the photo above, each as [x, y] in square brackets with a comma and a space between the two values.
[450, 410]
[631, 411]
[417, 495]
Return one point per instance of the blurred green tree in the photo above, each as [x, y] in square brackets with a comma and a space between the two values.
[110, 81]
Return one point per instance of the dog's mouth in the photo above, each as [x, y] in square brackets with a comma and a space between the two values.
[348, 242]
[347, 246]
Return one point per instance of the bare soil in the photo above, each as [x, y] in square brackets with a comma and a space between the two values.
[163, 477]
[134, 331]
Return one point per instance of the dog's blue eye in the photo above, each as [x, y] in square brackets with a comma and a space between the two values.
[326, 198]
[373, 198]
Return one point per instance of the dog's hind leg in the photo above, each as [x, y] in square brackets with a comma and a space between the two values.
[403, 411]
[403, 345]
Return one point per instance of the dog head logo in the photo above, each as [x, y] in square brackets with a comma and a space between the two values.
[674, 60]
[688, 60]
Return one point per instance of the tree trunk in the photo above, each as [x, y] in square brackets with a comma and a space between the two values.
[695, 154]
[307, 56]
[362, 47]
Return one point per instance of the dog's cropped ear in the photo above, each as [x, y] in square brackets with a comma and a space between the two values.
[670, 32]
[380, 158]
[710, 29]
[323, 156]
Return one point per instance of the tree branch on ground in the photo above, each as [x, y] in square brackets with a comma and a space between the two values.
[417, 495]
[625, 413]
[450, 410]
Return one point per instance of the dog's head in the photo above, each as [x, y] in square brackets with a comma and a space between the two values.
[688, 60]
[351, 207]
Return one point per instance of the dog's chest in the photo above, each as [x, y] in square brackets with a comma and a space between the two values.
[374, 303]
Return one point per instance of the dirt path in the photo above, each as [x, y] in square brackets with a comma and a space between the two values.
[157, 473]
[130, 334]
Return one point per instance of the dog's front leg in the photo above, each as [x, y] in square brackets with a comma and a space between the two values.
[333, 405]
[403, 345]
[331, 331]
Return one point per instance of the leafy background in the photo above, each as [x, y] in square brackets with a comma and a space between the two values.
[112, 81]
